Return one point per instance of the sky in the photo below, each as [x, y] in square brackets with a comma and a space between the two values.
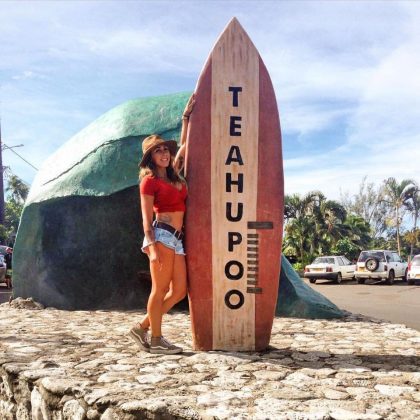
[346, 76]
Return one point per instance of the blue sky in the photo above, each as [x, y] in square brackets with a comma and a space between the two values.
[346, 76]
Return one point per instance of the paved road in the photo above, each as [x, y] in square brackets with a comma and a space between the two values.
[5, 293]
[399, 303]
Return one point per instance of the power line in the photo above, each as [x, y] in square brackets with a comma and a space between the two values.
[8, 172]
[17, 154]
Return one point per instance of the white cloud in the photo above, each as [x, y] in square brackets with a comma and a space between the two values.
[331, 63]
[27, 74]
[341, 171]
[307, 119]
[383, 123]
[389, 107]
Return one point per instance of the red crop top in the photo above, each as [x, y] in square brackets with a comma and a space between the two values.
[167, 197]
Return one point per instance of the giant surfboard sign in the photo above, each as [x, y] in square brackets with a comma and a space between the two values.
[234, 218]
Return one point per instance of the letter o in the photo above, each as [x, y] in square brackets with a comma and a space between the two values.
[231, 276]
[234, 305]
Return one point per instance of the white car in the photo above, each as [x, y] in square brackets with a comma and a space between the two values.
[414, 270]
[379, 264]
[330, 268]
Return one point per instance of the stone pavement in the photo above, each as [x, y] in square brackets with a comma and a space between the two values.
[81, 365]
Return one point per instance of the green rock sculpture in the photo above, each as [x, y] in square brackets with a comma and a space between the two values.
[297, 299]
[78, 243]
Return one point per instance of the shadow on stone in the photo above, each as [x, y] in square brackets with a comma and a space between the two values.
[84, 253]
[357, 364]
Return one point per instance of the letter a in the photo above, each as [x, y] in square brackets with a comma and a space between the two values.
[234, 155]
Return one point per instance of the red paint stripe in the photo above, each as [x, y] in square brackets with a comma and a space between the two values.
[198, 217]
[269, 208]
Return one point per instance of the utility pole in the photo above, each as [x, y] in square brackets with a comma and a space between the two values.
[1, 181]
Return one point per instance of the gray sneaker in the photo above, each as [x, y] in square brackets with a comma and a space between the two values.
[160, 345]
[140, 336]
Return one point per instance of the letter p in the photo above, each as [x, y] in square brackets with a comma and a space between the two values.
[234, 238]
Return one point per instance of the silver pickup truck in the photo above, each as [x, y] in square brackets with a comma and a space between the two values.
[379, 264]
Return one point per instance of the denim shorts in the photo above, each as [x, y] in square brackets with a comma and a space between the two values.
[167, 239]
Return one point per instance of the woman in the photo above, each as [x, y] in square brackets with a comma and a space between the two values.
[163, 192]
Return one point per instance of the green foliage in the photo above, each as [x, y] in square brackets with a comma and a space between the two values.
[298, 266]
[368, 204]
[4, 234]
[12, 212]
[17, 189]
[412, 205]
[396, 196]
[17, 193]
[411, 240]
[313, 225]
[372, 218]
[346, 247]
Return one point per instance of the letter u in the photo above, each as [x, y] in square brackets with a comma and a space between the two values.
[239, 212]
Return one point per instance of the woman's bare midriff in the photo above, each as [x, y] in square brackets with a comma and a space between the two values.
[174, 218]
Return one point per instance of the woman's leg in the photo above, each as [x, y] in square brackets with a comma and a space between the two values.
[177, 291]
[178, 286]
[161, 277]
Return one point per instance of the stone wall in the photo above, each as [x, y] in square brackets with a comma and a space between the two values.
[82, 365]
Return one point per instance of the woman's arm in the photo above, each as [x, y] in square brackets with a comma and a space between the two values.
[147, 216]
[179, 158]
[186, 118]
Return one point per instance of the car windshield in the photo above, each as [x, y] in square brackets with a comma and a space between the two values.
[371, 254]
[345, 260]
[416, 261]
[323, 260]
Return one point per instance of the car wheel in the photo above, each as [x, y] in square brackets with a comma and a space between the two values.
[338, 278]
[411, 281]
[372, 264]
[391, 277]
[361, 281]
[405, 276]
[312, 281]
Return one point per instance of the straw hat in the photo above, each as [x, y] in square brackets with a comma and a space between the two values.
[149, 143]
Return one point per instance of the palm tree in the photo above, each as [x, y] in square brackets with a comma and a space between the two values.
[313, 224]
[368, 204]
[296, 207]
[396, 195]
[17, 188]
[300, 227]
[298, 232]
[413, 206]
[359, 231]
[329, 216]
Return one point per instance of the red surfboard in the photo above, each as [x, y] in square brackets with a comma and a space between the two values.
[234, 219]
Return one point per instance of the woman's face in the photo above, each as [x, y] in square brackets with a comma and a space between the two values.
[161, 156]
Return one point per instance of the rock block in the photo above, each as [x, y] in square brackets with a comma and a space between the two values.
[297, 299]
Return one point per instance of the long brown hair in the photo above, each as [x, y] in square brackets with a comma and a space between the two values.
[150, 170]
